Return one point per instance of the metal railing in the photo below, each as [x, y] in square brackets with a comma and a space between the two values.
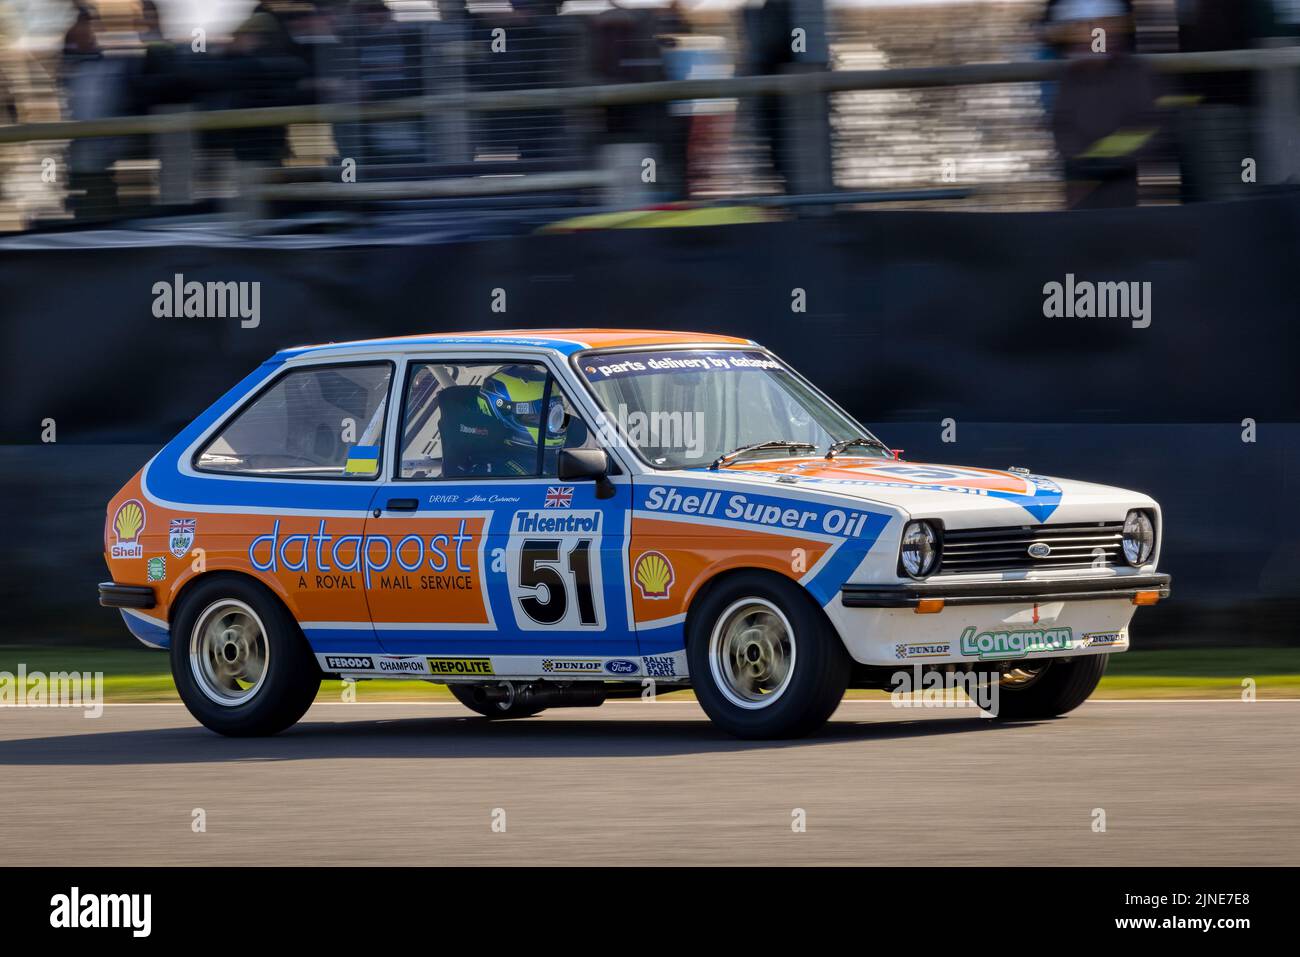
[805, 93]
[627, 94]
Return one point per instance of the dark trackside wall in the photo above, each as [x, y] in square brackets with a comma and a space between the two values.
[911, 319]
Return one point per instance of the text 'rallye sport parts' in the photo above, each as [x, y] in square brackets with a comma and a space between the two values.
[545, 519]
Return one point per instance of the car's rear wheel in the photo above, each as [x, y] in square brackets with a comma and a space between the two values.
[1048, 688]
[239, 660]
[764, 661]
[493, 701]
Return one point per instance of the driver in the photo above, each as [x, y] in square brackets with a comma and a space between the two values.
[513, 397]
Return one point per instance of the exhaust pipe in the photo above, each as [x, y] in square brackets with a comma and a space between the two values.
[542, 695]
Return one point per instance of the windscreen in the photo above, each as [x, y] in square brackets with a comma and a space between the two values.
[684, 408]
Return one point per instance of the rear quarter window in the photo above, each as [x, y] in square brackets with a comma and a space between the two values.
[315, 422]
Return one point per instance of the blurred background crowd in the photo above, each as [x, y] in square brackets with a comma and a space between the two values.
[1109, 131]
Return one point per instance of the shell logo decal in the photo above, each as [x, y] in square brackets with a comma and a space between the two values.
[653, 574]
[128, 523]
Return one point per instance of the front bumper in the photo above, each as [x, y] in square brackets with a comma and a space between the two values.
[885, 625]
[911, 594]
[113, 595]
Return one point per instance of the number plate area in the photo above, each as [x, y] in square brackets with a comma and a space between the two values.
[553, 567]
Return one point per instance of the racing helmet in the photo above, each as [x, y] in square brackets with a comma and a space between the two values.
[513, 396]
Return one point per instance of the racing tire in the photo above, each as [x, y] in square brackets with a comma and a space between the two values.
[240, 661]
[764, 661]
[492, 710]
[1060, 688]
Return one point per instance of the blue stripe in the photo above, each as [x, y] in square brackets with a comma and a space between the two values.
[847, 555]
[164, 480]
[663, 640]
[416, 642]
[343, 640]
[826, 584]
[147, 632]
[559, 345]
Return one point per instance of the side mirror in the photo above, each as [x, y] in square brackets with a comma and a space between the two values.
[579, 465]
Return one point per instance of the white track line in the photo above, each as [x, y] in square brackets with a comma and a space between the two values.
[456, 704]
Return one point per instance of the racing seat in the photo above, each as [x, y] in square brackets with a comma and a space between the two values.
[469, 438]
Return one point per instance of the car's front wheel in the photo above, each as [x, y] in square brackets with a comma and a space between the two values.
[1048, 688]
[764, 661]
[239, 660]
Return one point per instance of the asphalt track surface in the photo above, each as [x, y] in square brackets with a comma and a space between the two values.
[653, 783]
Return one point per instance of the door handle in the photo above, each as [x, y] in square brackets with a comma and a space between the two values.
[402, 504]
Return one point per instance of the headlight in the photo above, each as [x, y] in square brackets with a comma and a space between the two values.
[920, 551]
[1139, 538]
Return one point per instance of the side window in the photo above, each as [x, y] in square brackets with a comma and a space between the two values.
[472, 419]
[317, 422]
[484, 419]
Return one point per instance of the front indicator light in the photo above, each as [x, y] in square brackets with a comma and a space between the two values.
[929, 606]
[1146, 597]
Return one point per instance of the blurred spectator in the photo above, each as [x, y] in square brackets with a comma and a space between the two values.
[150, 24]
[8, 104]
[1214, 124]
[703, 126]
[539, 49]
[1277, 105]
[625, 48]
[1104, 115]
[385, 63]
[768, 49]
[1273, 18]
[1051, 47]
[95, 85]
[265, 65]
[672, 35]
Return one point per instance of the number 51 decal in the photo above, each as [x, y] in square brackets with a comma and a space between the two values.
[555, 581]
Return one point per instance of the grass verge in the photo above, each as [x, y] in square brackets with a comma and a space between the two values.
[142, 675]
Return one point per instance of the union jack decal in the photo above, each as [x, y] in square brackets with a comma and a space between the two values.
[559, 496]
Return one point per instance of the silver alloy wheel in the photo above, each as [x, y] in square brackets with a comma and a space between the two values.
[229, 652]
[752, 653]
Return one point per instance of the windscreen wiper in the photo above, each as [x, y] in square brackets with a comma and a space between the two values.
[722, 460]
[842, 444]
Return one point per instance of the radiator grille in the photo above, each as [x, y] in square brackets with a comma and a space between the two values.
[1085, 545]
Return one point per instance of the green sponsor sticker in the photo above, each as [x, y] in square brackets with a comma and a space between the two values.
[1015, 644]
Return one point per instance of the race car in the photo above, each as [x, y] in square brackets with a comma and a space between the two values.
[554, 518]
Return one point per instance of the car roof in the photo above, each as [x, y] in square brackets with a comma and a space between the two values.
[565, 341]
